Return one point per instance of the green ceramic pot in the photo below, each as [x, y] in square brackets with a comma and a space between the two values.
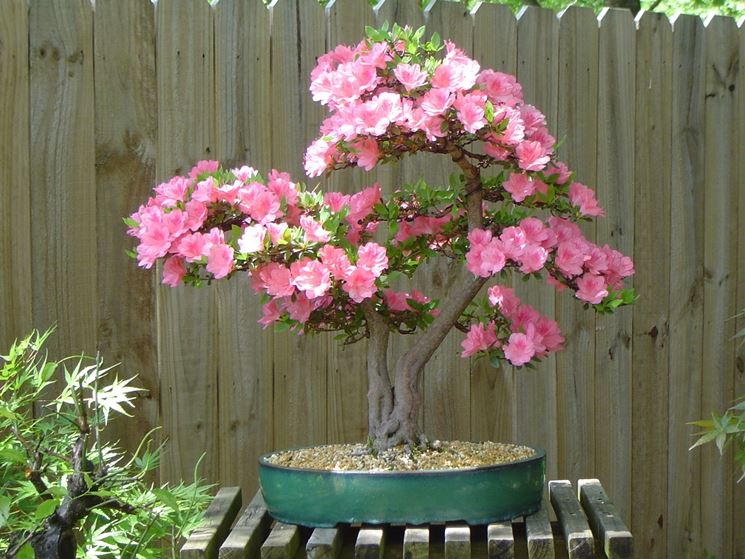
[321, 498]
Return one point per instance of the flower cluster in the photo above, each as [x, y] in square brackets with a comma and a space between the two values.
[318, 258]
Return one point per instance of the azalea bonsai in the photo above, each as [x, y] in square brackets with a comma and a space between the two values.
[327, 261]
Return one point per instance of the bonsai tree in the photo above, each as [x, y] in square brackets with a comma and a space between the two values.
[335, 262]
[64, 491]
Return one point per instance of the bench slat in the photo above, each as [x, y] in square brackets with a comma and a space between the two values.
[606, 524]
[282, 543]
[572, 520]
[249, 532]
[416, 543]
[539, 535]
[324, 543]
[457, 541]
[370, 543]
[500, 541]
[206, 539]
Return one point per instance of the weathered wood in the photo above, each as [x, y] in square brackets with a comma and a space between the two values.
[187, 333]
[282, 543]
[457, 541]
[205, 541]
[324, 543]
[686, 286]
[615, 191]
[721, 160]
[63, 251]
[610, 531]
[126, 133]
[539, 535]
[249, 531]
[500, 541]
[15, 193]
[652, 279]
[243, 100]
[572, 519]
[370, 543]
[538, 72]
[416, 543]
[493, 406]
[578, 127]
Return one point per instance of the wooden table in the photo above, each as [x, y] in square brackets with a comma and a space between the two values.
[587, 526]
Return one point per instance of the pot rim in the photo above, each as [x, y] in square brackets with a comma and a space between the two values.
[539, 455]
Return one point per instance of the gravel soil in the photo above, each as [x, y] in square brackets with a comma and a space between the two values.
[440, 455]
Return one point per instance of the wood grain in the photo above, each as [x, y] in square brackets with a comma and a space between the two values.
[249, 531]
[652, 280]
[245, 351]
[416, 543]
[457, 541]
[577, 129]
[539, 535]
[370, 543]
[187, 333]
[500, 541]
[615, 192]
[15, 195]
[282, 543]
[205, 540]
[63, 198]
[577, 534]
[609, 529]
[324, 543]
[686, 286]
[720, 245]
[126, 134]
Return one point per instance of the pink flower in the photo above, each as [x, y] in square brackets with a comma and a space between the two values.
[361, 203]
[372, 256]
[280, 184]
[172, 191]
[571, 257]
[205, 191]
[519, 350]
[396, 300]
[311, 277]
[335, 200]
[591, 288]
[314, 231]
[411, 76]
[276, 279]
[548, 331]
[480, 237]
[470, 110]
[203, 167]
[220, 260]
[533, 258]
[504, 298]
[196, 213]
[300, 308]
[367, 153]
[436, 101]
[559, 170]
[531, 156]
[264, 207]
[360, 284]
[485, 260]
[519, 185]
[319, 157]
[478, 339]
[252, 239]
[335, 259]
[501, 88]
[584, 199]
[269, 313]
[192, 247]
[173, 271]
[244, 173]
[522, 316]
[513, 242]
[276, 231]
[155, 241]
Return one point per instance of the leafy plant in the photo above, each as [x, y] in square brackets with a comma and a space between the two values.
[65, 491]
[728, 428]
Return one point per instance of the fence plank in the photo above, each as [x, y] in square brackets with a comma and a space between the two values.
[537, 72]
[652, 279]
[615, 191]
[493, 406]
[187, 333]
[720, 246]
[446, 377]
[686, 286]
[15, 196]
[126, 137]
[243, 137]
[577, 123]
[347, 375]
[300, 362]
[63, 200]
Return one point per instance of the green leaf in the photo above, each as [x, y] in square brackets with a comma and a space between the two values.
[12, 455]
[26, 552]
[45, 508]
[167, 498]
[4, 510]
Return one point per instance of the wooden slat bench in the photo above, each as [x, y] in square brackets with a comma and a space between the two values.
[587, 526]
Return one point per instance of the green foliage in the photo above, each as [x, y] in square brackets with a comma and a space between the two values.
[728, 428]
[52, 419]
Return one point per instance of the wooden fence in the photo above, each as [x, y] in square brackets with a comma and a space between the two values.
[97, 104]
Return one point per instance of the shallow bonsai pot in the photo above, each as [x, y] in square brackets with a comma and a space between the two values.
[321, 498]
